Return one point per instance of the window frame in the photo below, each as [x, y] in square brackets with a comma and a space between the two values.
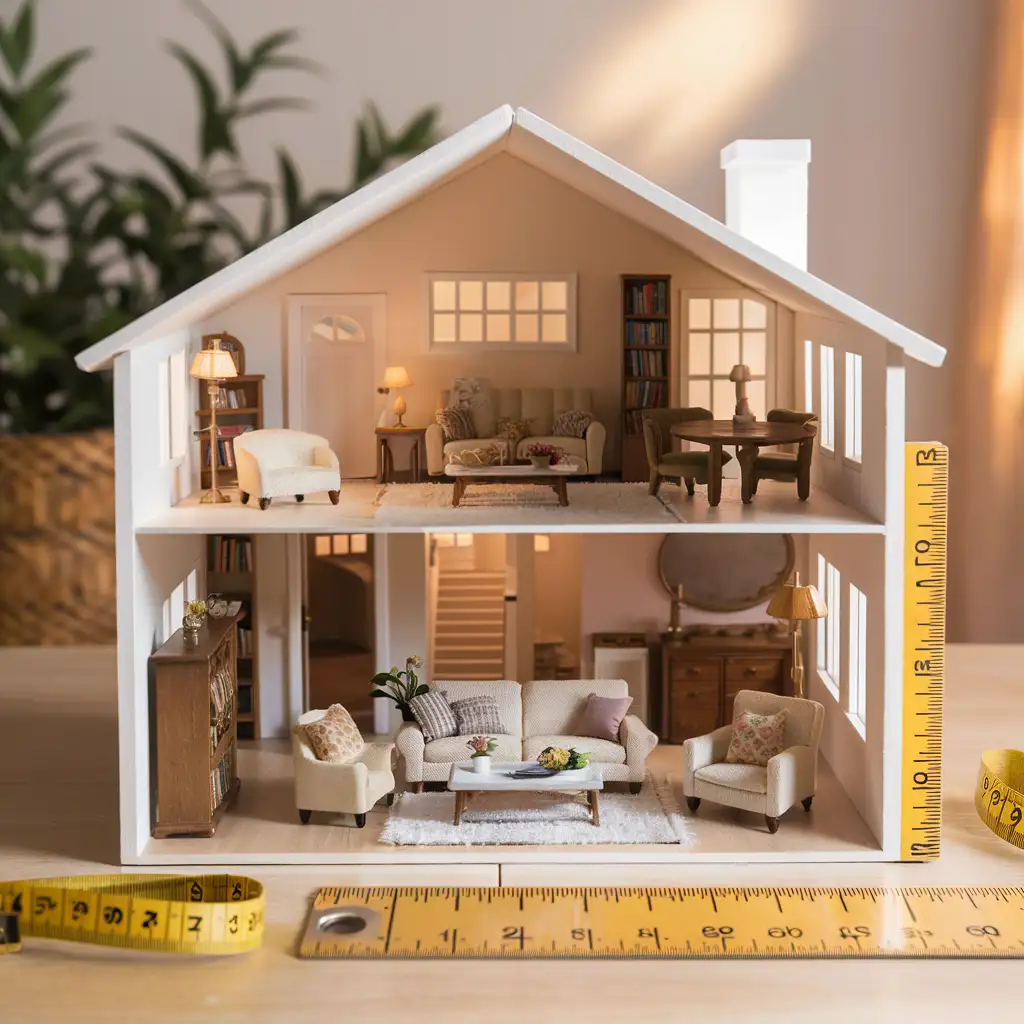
[853, 411]
[857, 651]
[568, 279]
[828, 654]
[808, 375]
[827, 399]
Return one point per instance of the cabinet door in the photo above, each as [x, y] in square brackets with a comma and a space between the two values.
[752, 673]
[694, 697]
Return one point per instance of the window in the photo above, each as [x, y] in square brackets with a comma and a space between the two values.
[827, 412]
[857, 691]
[340, 544]
[509, 310]
[453, 540]
[337, 327]
[541, 542]
[721, 332]
[828, 628]
[163, 385]
[808, 376]
[854, 435]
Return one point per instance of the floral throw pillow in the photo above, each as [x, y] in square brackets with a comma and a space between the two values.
[756, 738]
[335, 737]
[573, 423]
[456, 424]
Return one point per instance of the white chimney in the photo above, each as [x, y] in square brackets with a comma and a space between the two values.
[766, 194]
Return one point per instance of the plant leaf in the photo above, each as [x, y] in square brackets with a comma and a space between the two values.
[189, 184]
[268, 106]
[421, 689]
[291, 189]
[16, 41]
[215, 131]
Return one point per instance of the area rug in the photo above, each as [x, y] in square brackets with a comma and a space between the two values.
[589, 503]
[539, 819]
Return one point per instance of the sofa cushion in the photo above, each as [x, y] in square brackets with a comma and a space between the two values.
[434, 715]
[602, 716]
[552, 706]
[572, 423]
[335, 737]
[478, 716]
[299, 480]
[474, 394]
[455, 748]
[507, 693]
[601, 751]
[484, 455]
[749, 777]
[756, 738]
[457, 424]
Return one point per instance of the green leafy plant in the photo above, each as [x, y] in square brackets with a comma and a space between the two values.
[400, 685]
[85, 249]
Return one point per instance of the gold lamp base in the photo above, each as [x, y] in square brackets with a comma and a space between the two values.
[214, 496]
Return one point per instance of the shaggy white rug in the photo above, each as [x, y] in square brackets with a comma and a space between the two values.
[538, 819]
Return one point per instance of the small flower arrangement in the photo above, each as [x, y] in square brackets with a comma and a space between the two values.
[541, 452]
[563, 760]
[482, 746]
[400, 685]
[196, 608]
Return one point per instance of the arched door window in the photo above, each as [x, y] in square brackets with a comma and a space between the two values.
[337, 327]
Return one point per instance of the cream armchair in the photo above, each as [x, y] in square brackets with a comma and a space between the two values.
[275, 463]
[352, 787]
[771, 790]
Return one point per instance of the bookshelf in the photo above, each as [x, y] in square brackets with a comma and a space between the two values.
[646, 357]
[193, 702]
[231, 572]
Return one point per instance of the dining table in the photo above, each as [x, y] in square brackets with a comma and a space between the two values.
[748, 438]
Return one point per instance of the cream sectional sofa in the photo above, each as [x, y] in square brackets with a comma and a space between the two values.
[536, 715]
[538, 405]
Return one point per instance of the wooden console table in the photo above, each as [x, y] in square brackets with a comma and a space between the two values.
[386, 461]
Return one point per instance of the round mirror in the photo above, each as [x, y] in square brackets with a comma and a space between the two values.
[725, 572]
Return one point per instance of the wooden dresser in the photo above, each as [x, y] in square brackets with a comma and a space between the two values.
[703, 670]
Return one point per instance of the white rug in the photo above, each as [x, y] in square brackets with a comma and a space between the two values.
[539, 819]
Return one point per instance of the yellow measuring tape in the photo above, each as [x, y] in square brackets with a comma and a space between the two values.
[201, 914]
[614, 923]
[999, 794]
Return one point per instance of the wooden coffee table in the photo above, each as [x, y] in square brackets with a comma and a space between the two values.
[463, 782]
[553, 477]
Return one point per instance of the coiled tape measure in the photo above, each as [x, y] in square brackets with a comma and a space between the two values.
[201, 914]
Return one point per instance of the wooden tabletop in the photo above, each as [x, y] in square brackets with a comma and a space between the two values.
[727, 432]
[399, 430]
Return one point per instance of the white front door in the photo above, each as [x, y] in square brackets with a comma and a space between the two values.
[335, 362]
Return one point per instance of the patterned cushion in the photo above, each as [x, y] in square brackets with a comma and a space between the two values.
[434, 715]
[513, 430]
[756, 738]
[478, 716]
[484, 455]
[335, 737]
[456, 424]
[572, 423]
[474, 395]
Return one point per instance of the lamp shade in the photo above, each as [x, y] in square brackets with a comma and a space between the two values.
[740, 372]
[396, 377]
[213, 364]
[797, 601]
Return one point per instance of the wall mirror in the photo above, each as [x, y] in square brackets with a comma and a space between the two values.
[725, 573]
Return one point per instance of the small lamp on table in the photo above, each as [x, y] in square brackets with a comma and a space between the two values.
[396, 377]
[213, 364]
[798, 603]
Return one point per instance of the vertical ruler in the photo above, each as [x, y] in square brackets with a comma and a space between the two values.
[924, 633]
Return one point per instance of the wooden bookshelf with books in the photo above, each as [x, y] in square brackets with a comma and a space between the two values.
[231, 573]
[646, 370]
[193, 707]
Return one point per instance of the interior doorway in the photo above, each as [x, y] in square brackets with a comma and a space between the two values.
[340, 623]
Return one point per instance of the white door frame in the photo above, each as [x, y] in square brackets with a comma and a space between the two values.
[295, 413]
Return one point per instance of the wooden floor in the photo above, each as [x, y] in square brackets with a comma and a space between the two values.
[58, 806]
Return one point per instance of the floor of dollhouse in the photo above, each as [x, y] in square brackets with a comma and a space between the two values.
[606, 506]
[263, 827]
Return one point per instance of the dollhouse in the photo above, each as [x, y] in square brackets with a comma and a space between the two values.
[540, 277]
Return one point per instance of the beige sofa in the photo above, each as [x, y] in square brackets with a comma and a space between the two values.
[538, 714]
[538, 405]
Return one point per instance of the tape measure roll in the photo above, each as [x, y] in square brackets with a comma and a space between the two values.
[999, 794]
[195, 914]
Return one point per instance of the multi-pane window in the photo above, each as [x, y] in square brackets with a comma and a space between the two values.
[857, 689]
[854, 435]
[511, 310]
[827, 412]
[829, 584]
[340, 544]
[720, 333]
[808, 376]
[453, 540]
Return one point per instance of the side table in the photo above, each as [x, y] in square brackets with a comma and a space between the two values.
[386, 461]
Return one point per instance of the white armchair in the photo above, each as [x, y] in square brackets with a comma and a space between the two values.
[771, 790]
[274, 463]
[352, 787]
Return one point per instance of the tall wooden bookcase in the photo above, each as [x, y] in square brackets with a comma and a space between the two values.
[194, 753]
[231, 572]
[646, 358]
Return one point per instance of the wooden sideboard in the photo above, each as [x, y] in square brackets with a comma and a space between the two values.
[702, 671]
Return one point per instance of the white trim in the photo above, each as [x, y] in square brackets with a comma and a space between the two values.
[295, 683]
[382, 630]
[827, 400]
[853, 410]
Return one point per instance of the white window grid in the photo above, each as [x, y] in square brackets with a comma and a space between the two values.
[827, 432]
[519, 312]
[828, 652]
[808, 375]
[857, 682]
[340, 544]
[853, 437]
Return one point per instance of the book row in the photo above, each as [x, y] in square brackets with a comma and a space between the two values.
[231, 554]
[645, 394]
[645, 364]
[649, 299]
[648, 335]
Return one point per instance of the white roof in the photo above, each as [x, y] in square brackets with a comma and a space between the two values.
[546, 147]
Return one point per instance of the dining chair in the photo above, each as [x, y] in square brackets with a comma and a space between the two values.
[780, 465]
[690, 467]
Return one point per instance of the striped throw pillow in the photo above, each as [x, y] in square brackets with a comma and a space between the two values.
[573, 423]
[456, 424]
[434, 715]
[478, 716]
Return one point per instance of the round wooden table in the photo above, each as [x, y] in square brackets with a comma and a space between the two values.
[747, 437]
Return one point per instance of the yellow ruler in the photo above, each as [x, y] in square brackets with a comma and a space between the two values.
[201, 914]
[999, 794]
[539, 923]
[924, 631]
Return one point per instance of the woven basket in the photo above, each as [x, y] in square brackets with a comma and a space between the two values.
[57, 580]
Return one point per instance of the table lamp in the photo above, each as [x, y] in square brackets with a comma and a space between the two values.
[739, 375]
[213, 364]
[798, 603]
[396, 377]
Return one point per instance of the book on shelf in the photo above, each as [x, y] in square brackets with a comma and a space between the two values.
[232, 554]
[245, 644]
[649, 299]
[644, 394]
[645, 364]
[220, 780]
[648, 335]
[225, 445]
[222, 704]
[231, 398]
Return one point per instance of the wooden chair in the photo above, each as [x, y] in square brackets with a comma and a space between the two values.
[779, 465]
[685, 467]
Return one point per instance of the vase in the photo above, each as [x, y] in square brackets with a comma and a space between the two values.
[540, 461]
[190, 626]
[481, 765]
[407, 715]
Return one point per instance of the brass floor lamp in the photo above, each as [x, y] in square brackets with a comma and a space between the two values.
[798, 603]
[213, 364]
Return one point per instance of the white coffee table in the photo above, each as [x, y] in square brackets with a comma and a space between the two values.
[463, 782]
[552, 476]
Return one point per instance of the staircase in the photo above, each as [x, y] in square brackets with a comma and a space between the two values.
[469, 625]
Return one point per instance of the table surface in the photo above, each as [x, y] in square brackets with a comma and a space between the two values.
[511, 471]
[399, 430]
[742, 433]
[464, 779]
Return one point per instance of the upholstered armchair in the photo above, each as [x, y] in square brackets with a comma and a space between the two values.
[352, 787]
[275, 463]
[689, 467]
[778, 465]
[771, 790]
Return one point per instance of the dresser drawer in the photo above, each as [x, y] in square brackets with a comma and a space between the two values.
[692, 717]
[753, 673]
[707, 670]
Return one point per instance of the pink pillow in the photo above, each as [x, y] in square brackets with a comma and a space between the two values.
[602, 716]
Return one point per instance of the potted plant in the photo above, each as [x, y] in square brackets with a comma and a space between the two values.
[543, 455]
[482, 747]
[195, 616]
[400, 685]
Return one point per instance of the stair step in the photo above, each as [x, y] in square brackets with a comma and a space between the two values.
[475, 574]
[445, 651]
[455, 677]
